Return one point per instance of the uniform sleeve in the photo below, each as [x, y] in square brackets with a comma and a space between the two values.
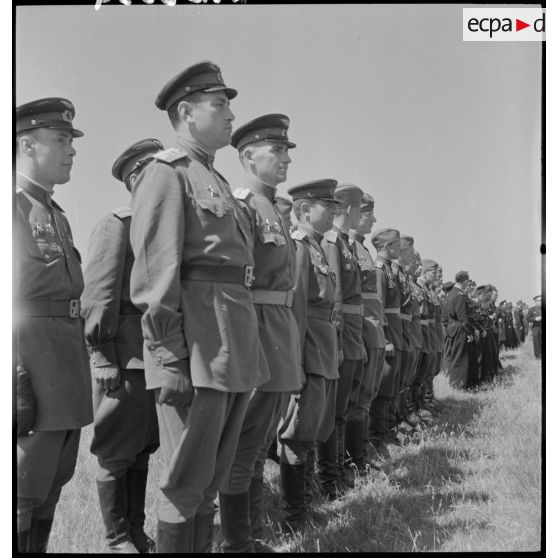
[300, 300]
[381, 289]
[460, 308]
[331, 251]
[157, 238]
[103, 277]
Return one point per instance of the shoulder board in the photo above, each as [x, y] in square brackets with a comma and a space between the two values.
[298, 235]
[331, 236]
[122, 212]
[170, 155]
[241, 193]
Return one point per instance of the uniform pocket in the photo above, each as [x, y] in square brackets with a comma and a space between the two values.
[215, 206]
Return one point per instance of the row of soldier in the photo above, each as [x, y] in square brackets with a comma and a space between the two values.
[214, 329]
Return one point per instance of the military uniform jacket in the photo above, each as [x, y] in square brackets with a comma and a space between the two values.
[426, 315]
[344, 264]
[52, 349]
[112, 323]
[532, 313]
[415, 332]
[405, 304]
[184, 215]
[314, 291]
[274, 258]
[373, 309]
[458, 317]
[390, 297]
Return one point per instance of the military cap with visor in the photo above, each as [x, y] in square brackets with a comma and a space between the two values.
[407, 239]
[321, 189]
[270, 127]
[385, 236]
[52, 112]
[448, 286]
[429, 265]
[367, 203]
[203, 76]
[348, 194]
[461, 276]
[133, 158]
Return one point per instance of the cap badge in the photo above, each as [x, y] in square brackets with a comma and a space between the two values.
[285, 121]
[67, 115]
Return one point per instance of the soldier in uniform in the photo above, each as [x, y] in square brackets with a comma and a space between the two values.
[263, 147]
[125, 427]
[53, 381]
[460, 333]
[446, 288]
[191, 278]
[349, 307]
[410, 315]
[535, 318]
[310, 416]
[387, 244]
[356, 430]
[437, 336]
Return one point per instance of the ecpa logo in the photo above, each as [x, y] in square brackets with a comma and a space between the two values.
[504, 24]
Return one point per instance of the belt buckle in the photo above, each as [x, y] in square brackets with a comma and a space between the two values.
[333, 315]
[74, 308]
[289, 301]
[248, 275]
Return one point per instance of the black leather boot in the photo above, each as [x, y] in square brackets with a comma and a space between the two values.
[113, 498]
[203, 533]
[137, 483]
[256, 512]
[235, 523]
[354, 444]
[23, 541]
[39, 535]
[328, 467]
[309, 477]
[294, 502]
[175, 538]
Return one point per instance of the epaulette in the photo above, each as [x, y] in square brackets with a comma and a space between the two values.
[331, 236]
[241, 193]
[170, 155]
[298, 235]
[122, 212]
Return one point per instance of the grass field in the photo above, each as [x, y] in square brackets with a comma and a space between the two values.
[471, 481]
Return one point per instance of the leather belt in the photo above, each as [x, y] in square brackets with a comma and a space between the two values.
[280, 298]
[392, 311]
[406, 317]
[425, 322]
[326, 314]
[52, 308]
[218, 274]
[370, 296]
[432, 320]
[357, 309]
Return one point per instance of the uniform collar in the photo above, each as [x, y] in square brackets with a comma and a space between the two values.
[356, 236]
[313, 234]
[254, 184]
[193, 149]
[340, 232]
[34, 189]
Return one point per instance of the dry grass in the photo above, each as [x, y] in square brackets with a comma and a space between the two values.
[469, 482]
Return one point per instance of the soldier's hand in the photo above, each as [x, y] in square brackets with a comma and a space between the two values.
[177, 389]
[107, 376]
[390, 349]
[25, 402]
[340, 357]
[484, 334]
[538, 318]
[470, 338]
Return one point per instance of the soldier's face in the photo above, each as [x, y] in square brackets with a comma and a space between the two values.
[211, 120]
[320, 215]
[366, 222]
[53, 155]
[393, 250]
[406, 255]
[430, 276]
[270, 161]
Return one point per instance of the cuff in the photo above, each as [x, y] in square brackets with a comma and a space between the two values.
[165, 351]
[103, 355]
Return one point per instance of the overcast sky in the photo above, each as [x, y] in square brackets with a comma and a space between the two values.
[444, 134]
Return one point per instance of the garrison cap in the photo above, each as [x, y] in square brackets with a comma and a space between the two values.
[321, 189]
[283, 205]
[367, 203]
[461, 276]
[429, 265]
[51, 112]
[203, 76]
[135, 157]
[348, 194]
[384, 236]
[264, 128]
[448, 286]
